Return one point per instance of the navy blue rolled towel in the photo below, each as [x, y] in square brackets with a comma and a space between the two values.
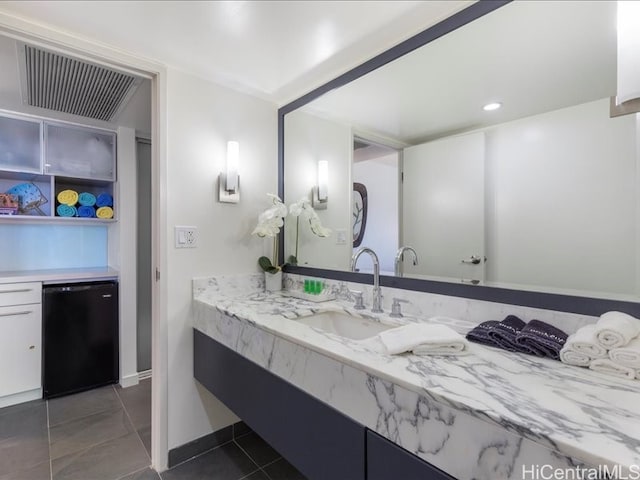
[86, 211]
[505, 333]
[480, 334]
[542, 339]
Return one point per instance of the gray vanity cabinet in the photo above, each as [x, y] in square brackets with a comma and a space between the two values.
[387, 461]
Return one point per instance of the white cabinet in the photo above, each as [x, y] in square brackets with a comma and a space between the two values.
[80, 152]
[20, 146]
[20, 342]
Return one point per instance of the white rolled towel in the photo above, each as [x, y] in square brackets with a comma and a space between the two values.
[573, 357]
[616, 329]
[584, 341]
[629, 355]
[604, 365]
[436, 339]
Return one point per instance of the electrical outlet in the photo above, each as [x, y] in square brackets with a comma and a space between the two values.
[341, 237]
[186, 237]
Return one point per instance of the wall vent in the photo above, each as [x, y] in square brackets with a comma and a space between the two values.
[66, 84]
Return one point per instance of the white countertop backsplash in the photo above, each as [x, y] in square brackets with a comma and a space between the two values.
[479, 416]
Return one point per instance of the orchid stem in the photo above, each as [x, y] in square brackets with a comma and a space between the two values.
[297, 234]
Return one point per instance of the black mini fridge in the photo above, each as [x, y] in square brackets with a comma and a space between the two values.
[80, 323]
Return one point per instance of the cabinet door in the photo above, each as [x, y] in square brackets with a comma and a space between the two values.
[80, 152]
[20, 146]
[387, 461]
[20, 348]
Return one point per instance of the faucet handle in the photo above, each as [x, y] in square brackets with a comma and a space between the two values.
[359, 299]
[396, 307]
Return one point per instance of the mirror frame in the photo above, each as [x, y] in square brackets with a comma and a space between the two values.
[550, 301]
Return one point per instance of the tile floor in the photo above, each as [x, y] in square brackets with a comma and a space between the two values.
[105, 434]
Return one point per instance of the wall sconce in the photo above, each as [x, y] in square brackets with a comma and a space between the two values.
[321, 191]
[229, 180]
[628, 45]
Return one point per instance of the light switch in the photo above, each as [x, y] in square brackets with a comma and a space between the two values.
[186, 237]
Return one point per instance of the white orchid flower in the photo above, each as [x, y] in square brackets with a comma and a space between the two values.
[272, 219]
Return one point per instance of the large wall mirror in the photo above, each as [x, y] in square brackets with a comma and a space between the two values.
[540, 194]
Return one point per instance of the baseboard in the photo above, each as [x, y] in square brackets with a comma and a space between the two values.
[203, 444]
[20, 397]
[129, 380]
[144, 375]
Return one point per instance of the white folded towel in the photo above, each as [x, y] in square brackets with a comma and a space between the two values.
[436, 339]
[629, 355]
[584, 341]
[573, 357]
[604, 365]
[616, 329]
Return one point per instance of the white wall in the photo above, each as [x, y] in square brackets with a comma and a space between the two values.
[310, 139]
[202, 116]
[381, 177]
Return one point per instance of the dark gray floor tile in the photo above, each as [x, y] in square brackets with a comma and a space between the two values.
[283, 470]
[42, 471]
[241, 428]
[65, 409]
[26, 421]
[22, 453]
[259, 475]
[137, 401]
[227, 462]
[145, 436]
[77, 435]
[108, 460]
[146, 474]
[199, 446]
[259, 450]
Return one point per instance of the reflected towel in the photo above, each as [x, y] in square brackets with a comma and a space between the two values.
[584, 341]
[572, 357]
[68, 197]
[505, 333]
[627, 356]
[604, 365]
[66, 210]
[86, 211]
[436, 339]
[542, 339]
[480, 334]
[87, 199]
[104, 200]
[104, 212]
[616, 329]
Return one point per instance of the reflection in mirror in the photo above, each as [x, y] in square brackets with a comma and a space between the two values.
[541, 193]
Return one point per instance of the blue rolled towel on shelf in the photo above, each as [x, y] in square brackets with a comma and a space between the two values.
[480, 334]
[542, 339]
[87, 199]
[66, 210]
[505, 333]
[104, 200]
[85, 211]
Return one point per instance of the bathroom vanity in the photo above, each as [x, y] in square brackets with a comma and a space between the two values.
[337, 409]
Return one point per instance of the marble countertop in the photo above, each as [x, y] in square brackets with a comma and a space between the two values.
[579, 413]
[58, 275]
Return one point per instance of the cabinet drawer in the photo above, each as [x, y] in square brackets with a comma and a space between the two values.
[20, 293]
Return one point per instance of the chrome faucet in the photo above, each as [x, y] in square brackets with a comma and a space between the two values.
[376, 307]
[400, 257]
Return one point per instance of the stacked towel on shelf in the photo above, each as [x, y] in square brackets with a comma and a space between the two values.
[64, 210]
[616, 329]
[542, 339]
[86, 211]
[104, 212]
[604, 365]
[480, 333]
[87, 199]
[104, 200]
[423, 339]
[505, 333]
[584, 342]
[627, 356]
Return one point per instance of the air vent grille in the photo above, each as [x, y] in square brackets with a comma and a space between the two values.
[69, 85]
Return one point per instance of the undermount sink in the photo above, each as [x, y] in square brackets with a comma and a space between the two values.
[344, 325]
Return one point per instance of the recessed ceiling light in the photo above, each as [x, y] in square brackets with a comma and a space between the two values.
[491, 106]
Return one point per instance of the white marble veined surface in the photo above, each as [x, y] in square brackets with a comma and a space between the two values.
[480, 416]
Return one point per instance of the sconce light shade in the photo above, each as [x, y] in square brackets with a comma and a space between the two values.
[229, 180]
[628, 48]
[321, 191]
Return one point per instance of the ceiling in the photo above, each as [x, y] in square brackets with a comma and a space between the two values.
[277, 50]
[534, 57]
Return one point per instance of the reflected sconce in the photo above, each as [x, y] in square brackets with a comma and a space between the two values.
[628, 87]
[321, 190]
[229, 180]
